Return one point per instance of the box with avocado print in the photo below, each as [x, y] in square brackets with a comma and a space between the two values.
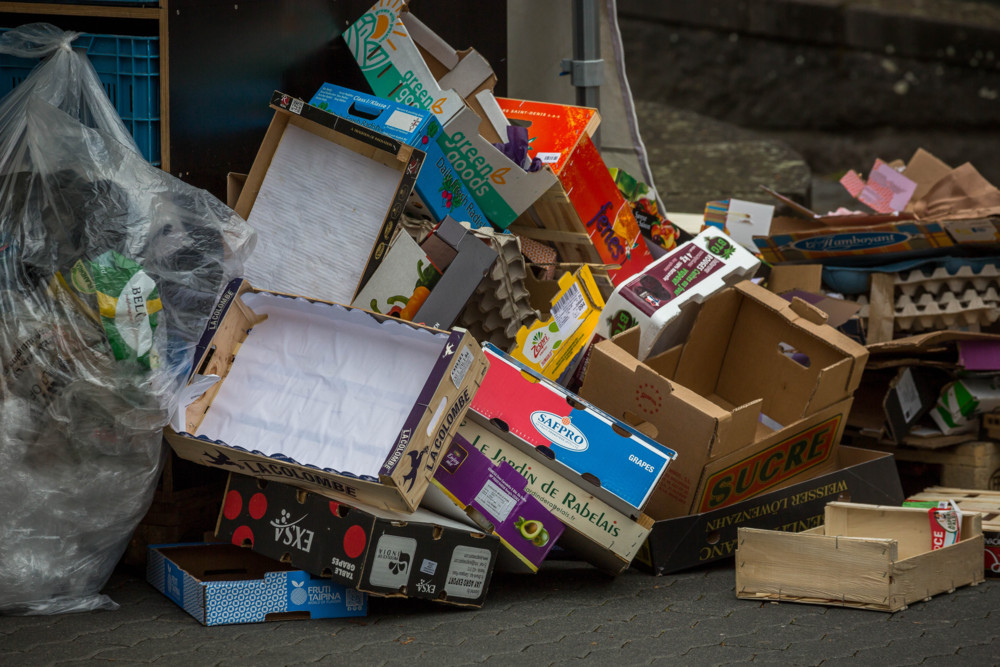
[439, 187]
[494, 496]
[221, 583]
[595, 531]
[390, 554]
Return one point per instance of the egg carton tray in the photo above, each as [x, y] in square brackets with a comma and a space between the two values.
[501, 304]
[969, 309]
[917, 282]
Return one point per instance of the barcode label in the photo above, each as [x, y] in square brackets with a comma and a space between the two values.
[496, 501]
[568, 309]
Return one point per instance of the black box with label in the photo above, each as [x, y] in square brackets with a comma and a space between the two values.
[419, 555]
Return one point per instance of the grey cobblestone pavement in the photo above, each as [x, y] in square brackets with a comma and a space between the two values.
[566, 614]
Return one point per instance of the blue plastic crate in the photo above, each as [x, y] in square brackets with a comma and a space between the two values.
[129, 68]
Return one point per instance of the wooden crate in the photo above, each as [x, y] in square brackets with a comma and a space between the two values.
[864, 556]
[987, 503]
[970, 465]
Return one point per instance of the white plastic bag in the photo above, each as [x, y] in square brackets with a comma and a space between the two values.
[109, 269]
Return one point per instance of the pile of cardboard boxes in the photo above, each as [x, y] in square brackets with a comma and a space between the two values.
[454, 352]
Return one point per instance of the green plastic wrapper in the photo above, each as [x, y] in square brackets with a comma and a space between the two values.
[128, 302]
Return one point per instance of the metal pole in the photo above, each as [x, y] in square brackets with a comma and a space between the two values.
[586, 69]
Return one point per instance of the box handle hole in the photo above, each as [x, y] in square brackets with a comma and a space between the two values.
[438, 414]
[500, 424]
[792, 353]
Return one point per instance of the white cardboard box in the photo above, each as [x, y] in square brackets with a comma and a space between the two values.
[662, 300]
[337, 400]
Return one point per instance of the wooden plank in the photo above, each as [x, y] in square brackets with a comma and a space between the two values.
[942, 571]
[813, 568]
[971, 465]
[986, 503]
[100, 11]
[541, 234]
[881, 308]
[908, 526]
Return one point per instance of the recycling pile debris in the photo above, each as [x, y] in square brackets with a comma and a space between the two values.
[463, 344]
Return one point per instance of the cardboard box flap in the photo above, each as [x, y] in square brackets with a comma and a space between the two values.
[737, 430]
[787, 277]
[704, 351]
[431, 45]
[468, 75]
[825, 347]
[925, 343]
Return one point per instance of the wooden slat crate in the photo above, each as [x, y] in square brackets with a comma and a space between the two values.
[970, 465]
[864, 556]
[987, 503]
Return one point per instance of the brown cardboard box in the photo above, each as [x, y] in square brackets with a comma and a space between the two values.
[325, 196]
[756, 397]
[861, 476]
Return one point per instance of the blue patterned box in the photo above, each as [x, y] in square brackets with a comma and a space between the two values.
[438, 185]
[223, 583]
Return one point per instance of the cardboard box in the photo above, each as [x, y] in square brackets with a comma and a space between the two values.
[574, 434]
[338, 400]
[863, 556]
[595, 222]
[403, 60]
[902, 382]
[595, 530]
[405, 269]
[417, 555]
[221, 583]
[552, 344]
[801, 240]
[684, 542]
[325, 196]
[495, 498]
[439, 187]
[465, 271]
[963, 400]
[663, 300]
[986, 503]
[755, 399]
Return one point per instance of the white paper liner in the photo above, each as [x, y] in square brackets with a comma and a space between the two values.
[324, 385]
[318, 214]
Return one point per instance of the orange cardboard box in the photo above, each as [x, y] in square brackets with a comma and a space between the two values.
[586, 205]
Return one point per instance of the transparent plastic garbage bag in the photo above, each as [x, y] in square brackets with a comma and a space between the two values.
[109, 269]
